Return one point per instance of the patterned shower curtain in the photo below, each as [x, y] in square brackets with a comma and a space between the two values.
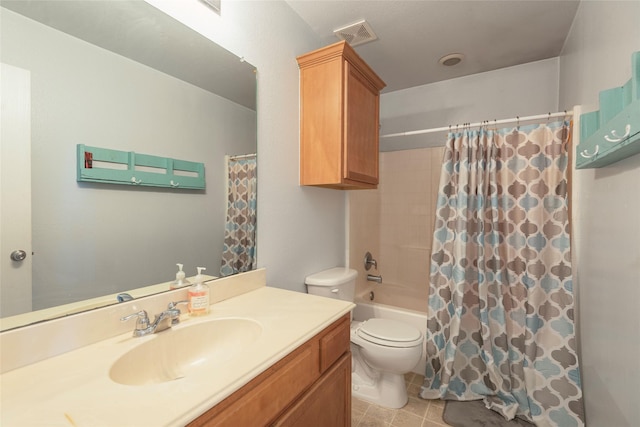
[501, 308]
[239, 251]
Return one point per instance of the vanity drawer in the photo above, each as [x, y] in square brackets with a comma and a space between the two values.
[334, 343]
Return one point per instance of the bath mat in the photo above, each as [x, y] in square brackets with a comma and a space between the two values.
[474, 414]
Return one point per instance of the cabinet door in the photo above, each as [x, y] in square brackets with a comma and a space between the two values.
[361, 128]
[321, 90]
[269, 394]
[327, 403]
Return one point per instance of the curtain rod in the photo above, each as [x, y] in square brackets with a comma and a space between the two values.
[240, 156]
[488, 122]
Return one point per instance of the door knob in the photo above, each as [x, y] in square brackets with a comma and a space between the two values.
[18, 255]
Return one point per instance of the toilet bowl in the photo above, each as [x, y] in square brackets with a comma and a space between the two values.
[382, 350]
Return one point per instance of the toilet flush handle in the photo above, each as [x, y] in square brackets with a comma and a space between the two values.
[335, 290]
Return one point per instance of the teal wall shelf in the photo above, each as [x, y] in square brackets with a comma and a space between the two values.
[612, 133]
[103, 165]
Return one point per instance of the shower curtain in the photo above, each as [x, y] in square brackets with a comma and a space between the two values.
[501, 317]
[239, 251]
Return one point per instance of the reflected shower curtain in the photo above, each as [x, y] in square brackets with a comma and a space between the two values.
[501, 318]
[239, 251]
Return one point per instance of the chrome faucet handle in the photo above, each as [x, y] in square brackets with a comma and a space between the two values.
[142, 321]
[173, 306]
[124, 297]
[369, 261]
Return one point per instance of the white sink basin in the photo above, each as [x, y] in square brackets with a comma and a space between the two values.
[177, 353]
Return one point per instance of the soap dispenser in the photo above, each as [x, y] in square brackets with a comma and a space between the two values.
[199, 296]
[180, 279]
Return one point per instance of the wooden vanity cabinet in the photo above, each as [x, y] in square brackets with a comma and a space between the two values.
[310, 386]
[339, 119]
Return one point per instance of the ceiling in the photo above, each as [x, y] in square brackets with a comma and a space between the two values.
[141, 32]
[414, 35]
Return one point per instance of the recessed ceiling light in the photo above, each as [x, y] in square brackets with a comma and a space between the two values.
[451, 59]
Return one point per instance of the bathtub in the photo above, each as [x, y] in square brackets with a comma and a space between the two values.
[366, 309]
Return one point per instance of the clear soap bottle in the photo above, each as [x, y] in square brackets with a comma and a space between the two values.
[180, 279]
[199, 296]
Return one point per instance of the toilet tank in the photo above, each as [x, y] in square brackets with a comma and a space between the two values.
[339, 283]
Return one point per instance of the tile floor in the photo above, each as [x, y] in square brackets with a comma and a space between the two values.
[416, 413]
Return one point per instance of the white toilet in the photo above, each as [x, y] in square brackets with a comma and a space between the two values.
[383, 350]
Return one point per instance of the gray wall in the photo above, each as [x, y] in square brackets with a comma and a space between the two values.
[94, 239]
[523, 90]
[301, 230]
[597, 56]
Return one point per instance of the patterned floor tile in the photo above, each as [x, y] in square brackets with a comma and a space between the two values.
[406, 419]
[416, 413]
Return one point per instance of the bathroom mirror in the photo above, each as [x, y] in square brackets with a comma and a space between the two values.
[125, 76]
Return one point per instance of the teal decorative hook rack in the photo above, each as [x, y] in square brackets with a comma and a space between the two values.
[107, 166]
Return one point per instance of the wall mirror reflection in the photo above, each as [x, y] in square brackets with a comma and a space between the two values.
[124, 76]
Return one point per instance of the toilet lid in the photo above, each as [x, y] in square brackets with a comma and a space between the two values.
[390, 333]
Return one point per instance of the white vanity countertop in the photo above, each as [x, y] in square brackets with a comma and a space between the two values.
[74, 389]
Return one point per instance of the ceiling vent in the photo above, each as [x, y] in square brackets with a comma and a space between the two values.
[355, 34]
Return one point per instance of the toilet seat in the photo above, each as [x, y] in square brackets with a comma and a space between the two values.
[389, 333]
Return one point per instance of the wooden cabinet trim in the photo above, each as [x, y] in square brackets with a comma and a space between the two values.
[341, 50]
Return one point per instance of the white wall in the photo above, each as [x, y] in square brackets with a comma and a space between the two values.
[301, 230]
[522, 90]
[95, 239]
[597, 56]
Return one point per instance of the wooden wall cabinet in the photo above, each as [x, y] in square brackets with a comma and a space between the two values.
[339, 119]
[309, 387]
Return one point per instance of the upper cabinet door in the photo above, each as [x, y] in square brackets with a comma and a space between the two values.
[339, 119]
[362, 102]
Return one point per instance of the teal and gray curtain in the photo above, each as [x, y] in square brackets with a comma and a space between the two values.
[239, 251]
[501, 307]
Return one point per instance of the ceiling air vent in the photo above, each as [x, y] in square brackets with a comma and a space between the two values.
[356, 34]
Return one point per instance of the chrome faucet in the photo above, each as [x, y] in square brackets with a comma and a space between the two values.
[372, 278]
[124, 297]
[162, 321]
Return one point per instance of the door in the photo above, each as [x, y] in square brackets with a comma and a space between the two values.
[15, 190]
